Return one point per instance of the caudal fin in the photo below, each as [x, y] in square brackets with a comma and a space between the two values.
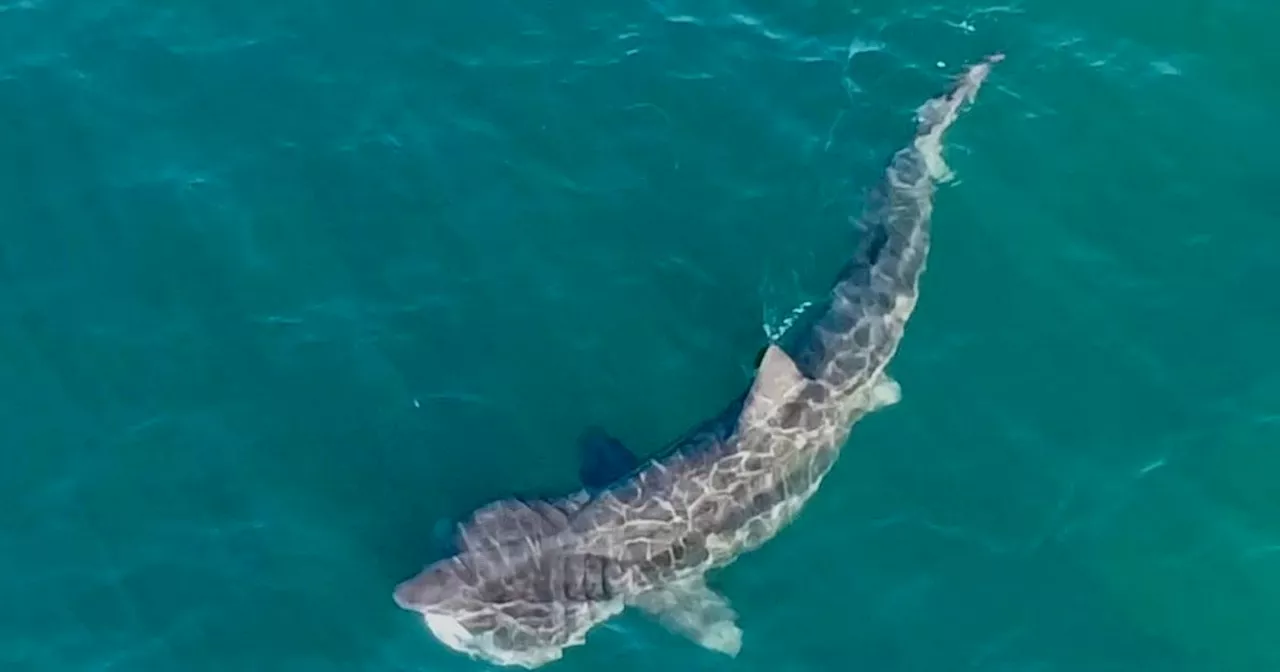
[936, 115]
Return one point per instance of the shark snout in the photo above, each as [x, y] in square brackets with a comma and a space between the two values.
[435, 594]
[429, 588]
[403, 595]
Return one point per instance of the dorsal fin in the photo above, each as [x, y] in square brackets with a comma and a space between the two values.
[778, 379]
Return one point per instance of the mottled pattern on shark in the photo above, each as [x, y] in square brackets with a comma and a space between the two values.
[533, 577]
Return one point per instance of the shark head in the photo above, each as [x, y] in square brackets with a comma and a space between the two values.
[448, 597]
[491, 603]
[448, 603]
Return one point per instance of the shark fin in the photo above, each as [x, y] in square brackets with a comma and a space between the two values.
[603, 459]
[509, 521]
[777, 376]
[886, 392]
[691, 609]
[777, 380]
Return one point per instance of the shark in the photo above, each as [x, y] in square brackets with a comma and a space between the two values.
[531, 577]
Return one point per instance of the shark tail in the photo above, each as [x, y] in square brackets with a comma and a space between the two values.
[876, 290]
[936, 115]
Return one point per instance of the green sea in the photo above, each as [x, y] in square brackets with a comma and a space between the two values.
[285, 285]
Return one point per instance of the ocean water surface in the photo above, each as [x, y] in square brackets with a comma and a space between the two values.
[283, 285]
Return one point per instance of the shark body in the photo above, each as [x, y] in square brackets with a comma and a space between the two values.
[531, 578]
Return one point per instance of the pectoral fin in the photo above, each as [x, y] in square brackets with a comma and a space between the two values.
[691, 609]
[885, 392]
[604, 459]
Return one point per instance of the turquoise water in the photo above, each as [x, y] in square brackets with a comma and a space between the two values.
[284, 284]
